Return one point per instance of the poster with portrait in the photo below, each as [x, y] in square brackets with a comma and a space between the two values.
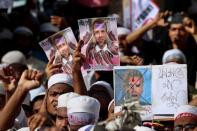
[100, 48]
[61, 45]
[131, 82]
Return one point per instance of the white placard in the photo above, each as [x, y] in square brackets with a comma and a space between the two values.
[169, 88]
[138, 12]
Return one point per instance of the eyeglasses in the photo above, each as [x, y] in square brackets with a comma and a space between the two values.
[187, 127]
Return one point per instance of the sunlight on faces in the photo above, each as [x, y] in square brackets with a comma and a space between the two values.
[62, 119]
[100, 33]
[177, 34]
[54, 92]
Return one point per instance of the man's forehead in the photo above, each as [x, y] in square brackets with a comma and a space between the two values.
[99, 26]
[60, 87]
[176, 25]
[59, 40]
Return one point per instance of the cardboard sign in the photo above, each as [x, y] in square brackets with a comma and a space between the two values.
[169, 88]
[61, 45]
[160, 89]
[137, 12]
[101, 48]
[132, 82]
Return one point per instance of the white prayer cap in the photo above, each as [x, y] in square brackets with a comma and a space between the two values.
[87, 128]
[84, 104]
[106, 85]
[60, 78]
[143, 128]
[2, 90]
[22, 30]
[14, 56]
[123, 31]
[24, 129]
[172, 54]
[186, 111]
[64, 98]
[37, 92]
[48, 27]
[27, 100]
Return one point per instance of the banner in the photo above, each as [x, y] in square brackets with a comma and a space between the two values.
[169, 88]
[137, 12]
[160, 89]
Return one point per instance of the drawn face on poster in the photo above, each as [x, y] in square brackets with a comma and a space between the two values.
[100, 43]
[132, 82]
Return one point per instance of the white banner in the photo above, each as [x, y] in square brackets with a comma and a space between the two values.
[138, 12]
[169, 88]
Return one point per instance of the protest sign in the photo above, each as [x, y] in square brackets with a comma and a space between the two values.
[137, 12]
[132, 82]
[61, 45]
[101, 47]
[169, 88]
[160, 89]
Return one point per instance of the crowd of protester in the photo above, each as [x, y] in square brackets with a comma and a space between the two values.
[35, 95]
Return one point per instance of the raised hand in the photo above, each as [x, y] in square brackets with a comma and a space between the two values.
[72, 45]
[189, 25]
[112, 37]
[52, 68]
[39, 120]
[78, 57]
[58, 21]
[86, 38]
[114, 48]
[30, 79]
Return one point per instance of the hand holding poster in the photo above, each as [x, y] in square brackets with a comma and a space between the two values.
[138, 12]
[61, 45]
[169, 88]
[101, 48]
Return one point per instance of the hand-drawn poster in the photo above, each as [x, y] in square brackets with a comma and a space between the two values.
[61, 45]
[169, 88]
[100, 48]
[132, 82]
[138, 12]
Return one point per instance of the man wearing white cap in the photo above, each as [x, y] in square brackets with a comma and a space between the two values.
[185, 118]
[62, 118]
[174, 56]
[81, 111]
[57, 84]
[14, 56]
[103, 92]
[37, 97]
